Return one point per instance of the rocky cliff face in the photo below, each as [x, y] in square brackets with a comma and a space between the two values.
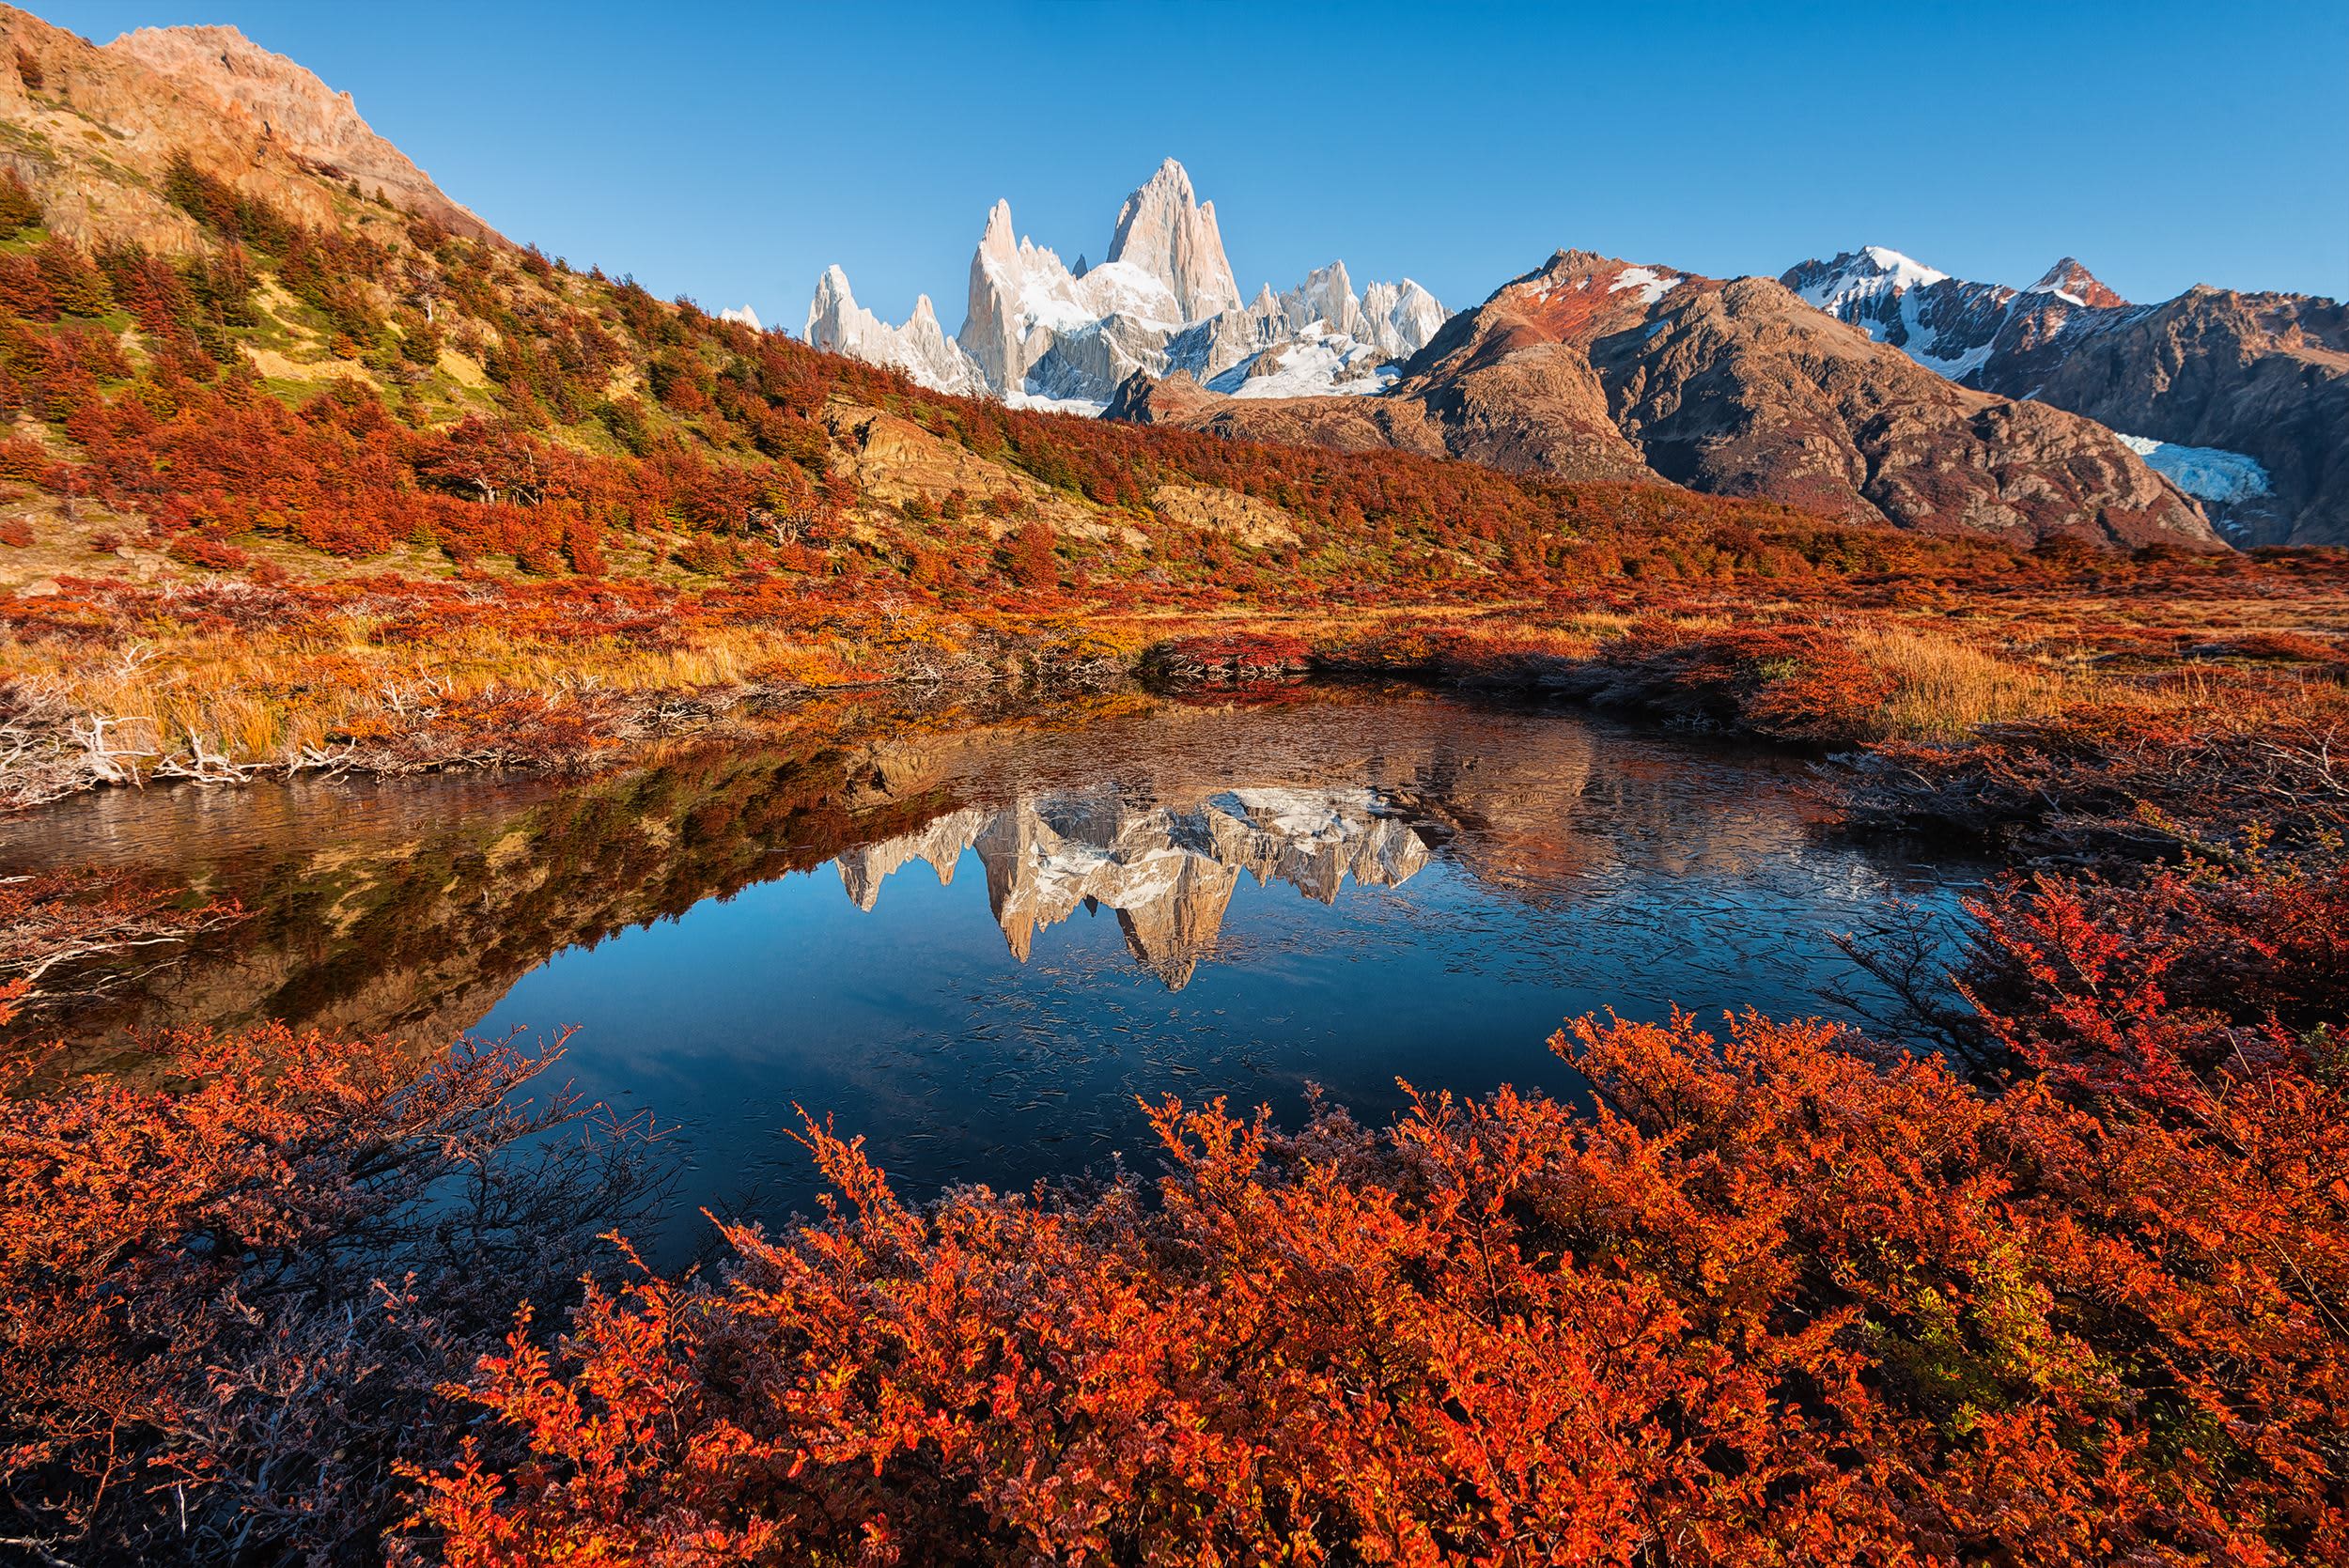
[838, 325]
[298, 111]
[1036, 330]
[1594, 368]
[2240, 399]
[1165, 231]
[96, 137]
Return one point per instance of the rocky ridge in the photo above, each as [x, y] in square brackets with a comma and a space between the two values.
[2240, 399]
[296, 109]
[1591, 367]
[93, 133]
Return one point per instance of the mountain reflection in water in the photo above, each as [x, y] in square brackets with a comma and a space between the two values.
[1339, 889]
[1169, 872]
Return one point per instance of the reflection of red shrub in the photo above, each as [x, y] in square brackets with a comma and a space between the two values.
[1237, 655]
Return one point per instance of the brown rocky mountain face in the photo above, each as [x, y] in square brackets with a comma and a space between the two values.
[298, 112]
[92, 131]
[1592, 368]
[2257, 376]
[2264, 375]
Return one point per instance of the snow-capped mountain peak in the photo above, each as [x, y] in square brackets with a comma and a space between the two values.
[1166, 231]
[1165, 298]
[1869, 273]
[921, 348]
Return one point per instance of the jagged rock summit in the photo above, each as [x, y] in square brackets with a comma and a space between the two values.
[919, 348]
[2241, 400]
[1164, 299]
[1165, 230]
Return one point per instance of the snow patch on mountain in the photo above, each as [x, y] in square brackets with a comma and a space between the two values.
[1864, 274]
[744, 314]
[1652, 284]
[1318, 363]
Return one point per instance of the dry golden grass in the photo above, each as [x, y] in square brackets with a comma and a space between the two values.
[1946, 688]
[268, 698]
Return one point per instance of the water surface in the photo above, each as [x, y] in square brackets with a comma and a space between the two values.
[979, 947]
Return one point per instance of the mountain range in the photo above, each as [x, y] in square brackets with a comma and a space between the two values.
[1039, 333]
[2243, 399]
[2238, 402]
[1866, 387]
[1592, 369]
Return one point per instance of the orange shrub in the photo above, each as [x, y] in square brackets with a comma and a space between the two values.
[1779, 1298]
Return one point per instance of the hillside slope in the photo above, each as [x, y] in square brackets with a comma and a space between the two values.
[219, 360]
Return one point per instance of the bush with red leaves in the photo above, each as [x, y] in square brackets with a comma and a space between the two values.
[236, 1273]
[1781, 1296]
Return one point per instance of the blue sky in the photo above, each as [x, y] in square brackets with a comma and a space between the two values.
[731, 151]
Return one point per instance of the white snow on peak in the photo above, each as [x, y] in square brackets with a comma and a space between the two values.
[2064, 294]
[1867, 272]
[744, 314]
[1038, 335]
[1901, 271]
[2205, 473]
[1652, 284]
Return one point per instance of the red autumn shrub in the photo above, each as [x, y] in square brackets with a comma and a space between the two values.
[1791, 683]
[235, 1274]
[2157, 989]
[1029, 557]
[1772, 1301]
[2289, 647]
[212, 554]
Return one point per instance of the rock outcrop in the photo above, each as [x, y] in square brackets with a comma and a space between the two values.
[1595, 368]
[838, 325]
[1036, 330]
[96, 137]
[298, 112]
[2240, 399]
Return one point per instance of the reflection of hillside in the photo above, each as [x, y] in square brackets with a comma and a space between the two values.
[1168, 871]
[412, 907]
